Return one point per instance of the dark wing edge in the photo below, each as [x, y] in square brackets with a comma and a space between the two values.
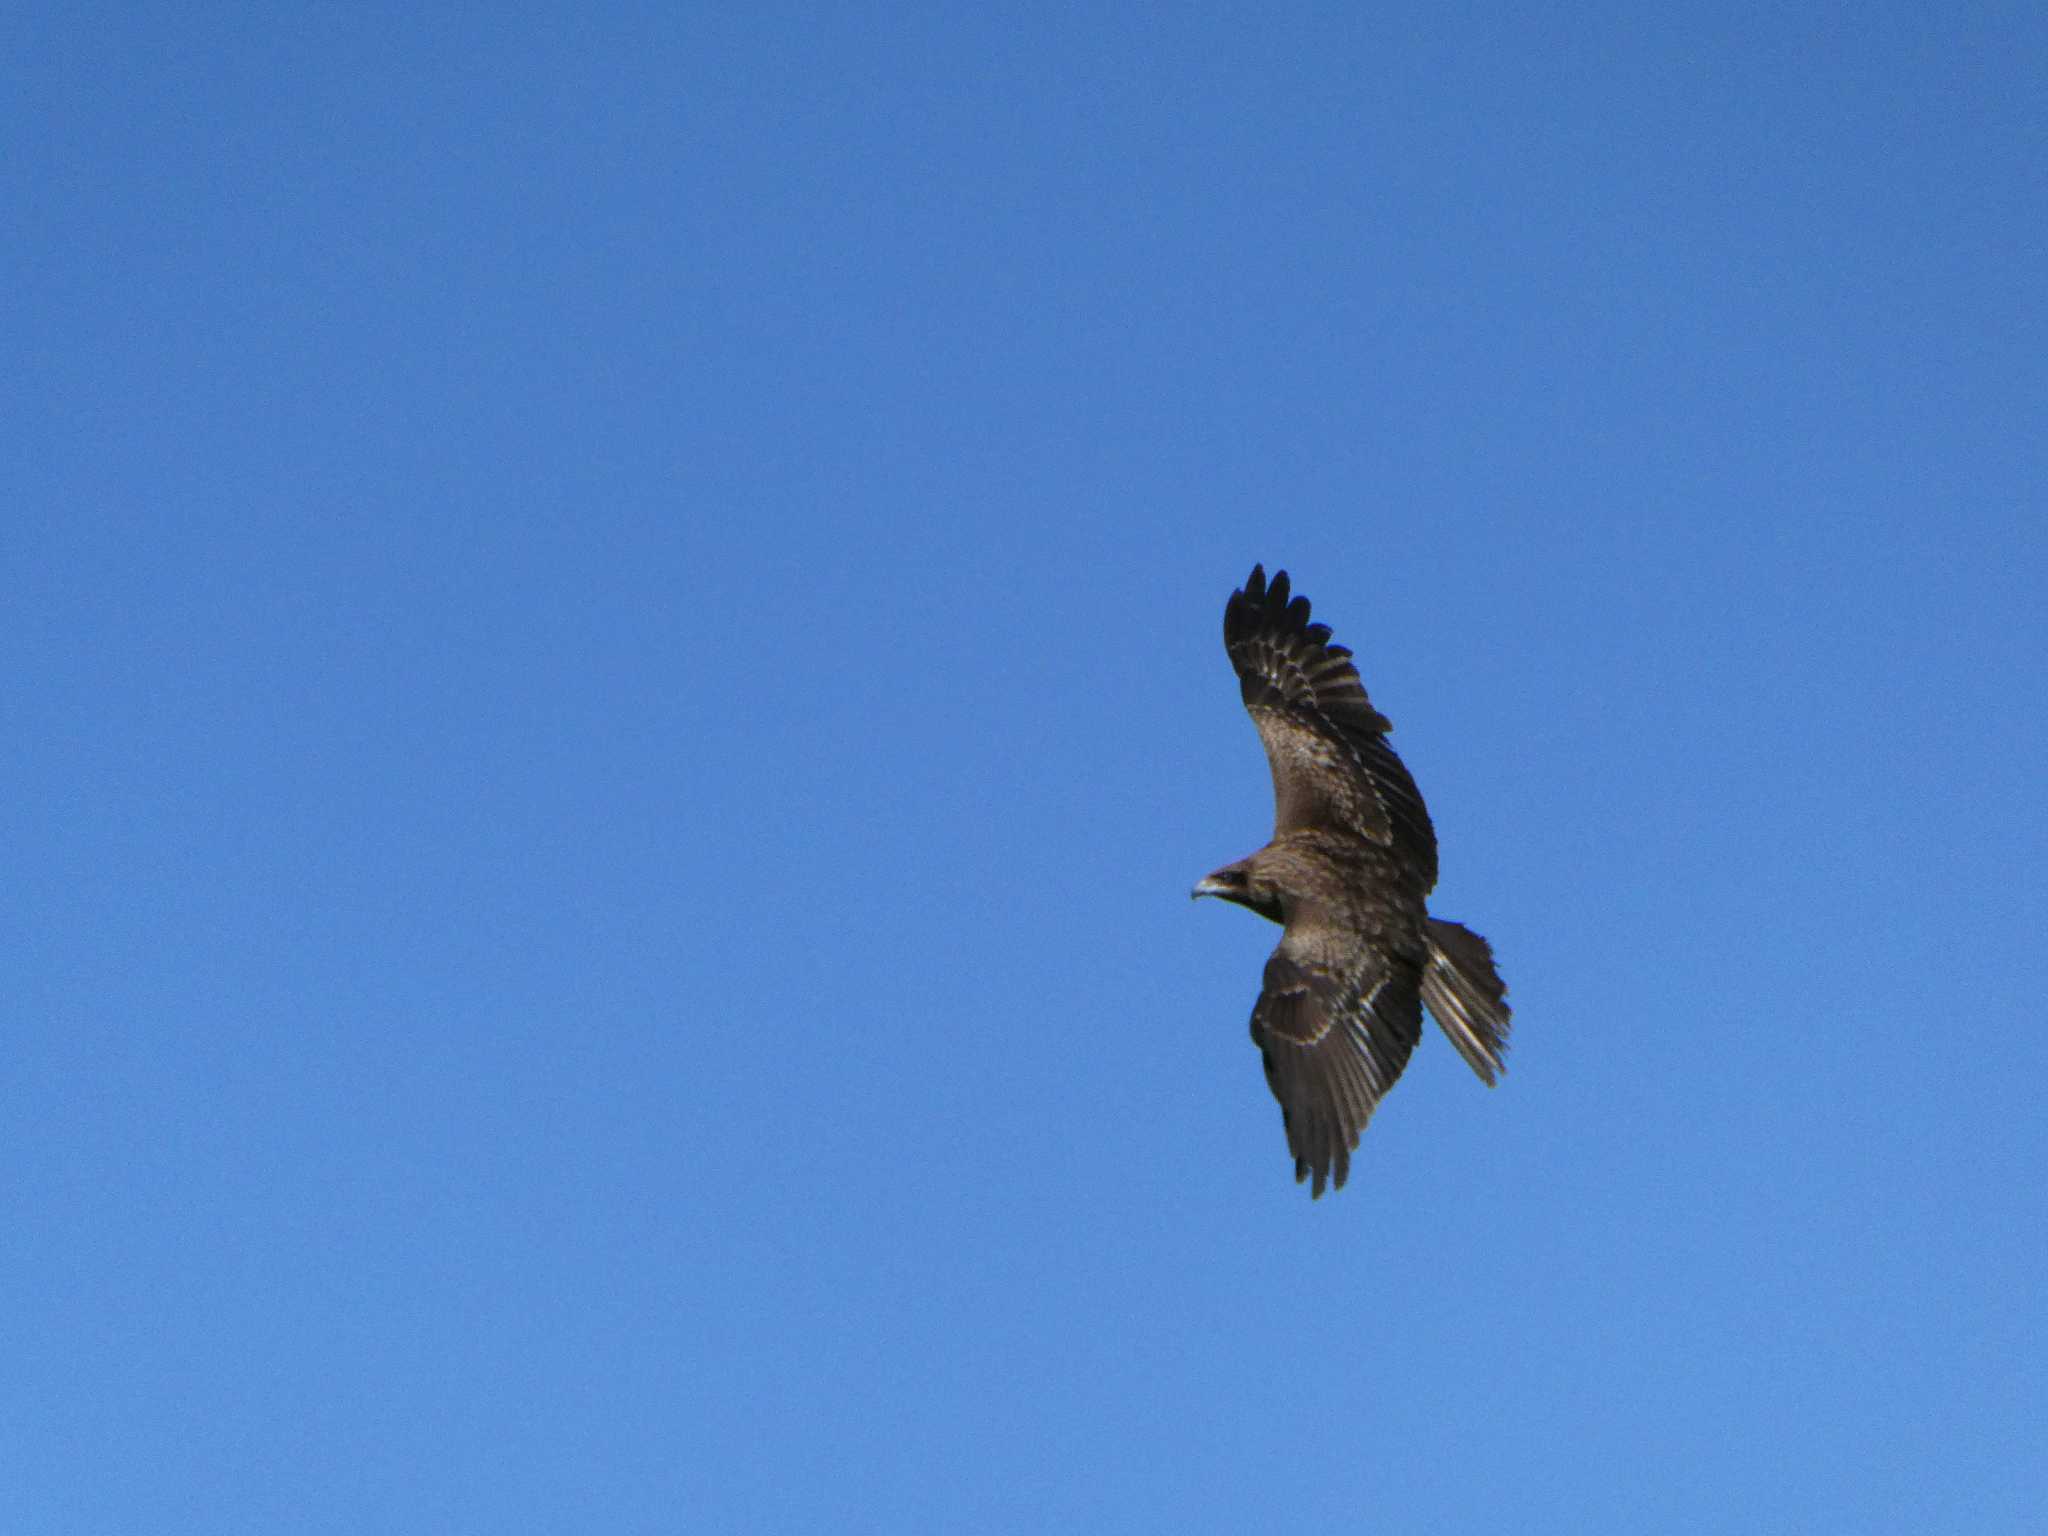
[1333, 1043]
[1295, 681]
[1283, 659]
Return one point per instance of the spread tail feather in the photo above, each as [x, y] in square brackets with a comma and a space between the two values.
[1467, 997]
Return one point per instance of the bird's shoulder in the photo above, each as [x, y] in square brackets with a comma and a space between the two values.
[1338, 887]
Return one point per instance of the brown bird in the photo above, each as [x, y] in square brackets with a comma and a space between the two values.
[1347, 874]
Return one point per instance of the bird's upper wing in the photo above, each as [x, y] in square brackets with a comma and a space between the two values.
[1334, 1034]
[1332, 766]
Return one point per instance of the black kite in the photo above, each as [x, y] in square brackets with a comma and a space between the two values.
[1348, 874]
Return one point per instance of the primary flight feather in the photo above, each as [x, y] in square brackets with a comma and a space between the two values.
[1348, 875]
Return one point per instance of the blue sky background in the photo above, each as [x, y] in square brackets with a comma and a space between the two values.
[609, 642]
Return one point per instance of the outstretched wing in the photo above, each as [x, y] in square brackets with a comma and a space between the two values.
[1333, 1039]
[1332, 766]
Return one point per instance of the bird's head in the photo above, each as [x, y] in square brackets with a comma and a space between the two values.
[1242, 883]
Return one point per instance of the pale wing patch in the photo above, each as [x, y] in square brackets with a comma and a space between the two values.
[1319, 778]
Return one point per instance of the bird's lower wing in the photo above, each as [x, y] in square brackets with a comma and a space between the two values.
[1333, 1040]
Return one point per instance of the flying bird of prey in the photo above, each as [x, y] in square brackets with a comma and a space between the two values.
[1347, 874]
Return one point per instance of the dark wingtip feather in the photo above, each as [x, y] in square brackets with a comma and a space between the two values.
[1245, 610]
[1271, 604]
[1261, 603]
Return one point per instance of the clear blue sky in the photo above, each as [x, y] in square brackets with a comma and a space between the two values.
[609, 645]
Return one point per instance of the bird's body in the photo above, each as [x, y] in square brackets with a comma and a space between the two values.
[1348, 874]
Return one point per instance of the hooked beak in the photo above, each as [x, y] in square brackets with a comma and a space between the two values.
[1209, 885]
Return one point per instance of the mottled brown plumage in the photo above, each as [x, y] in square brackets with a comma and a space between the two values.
[1348, 874]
